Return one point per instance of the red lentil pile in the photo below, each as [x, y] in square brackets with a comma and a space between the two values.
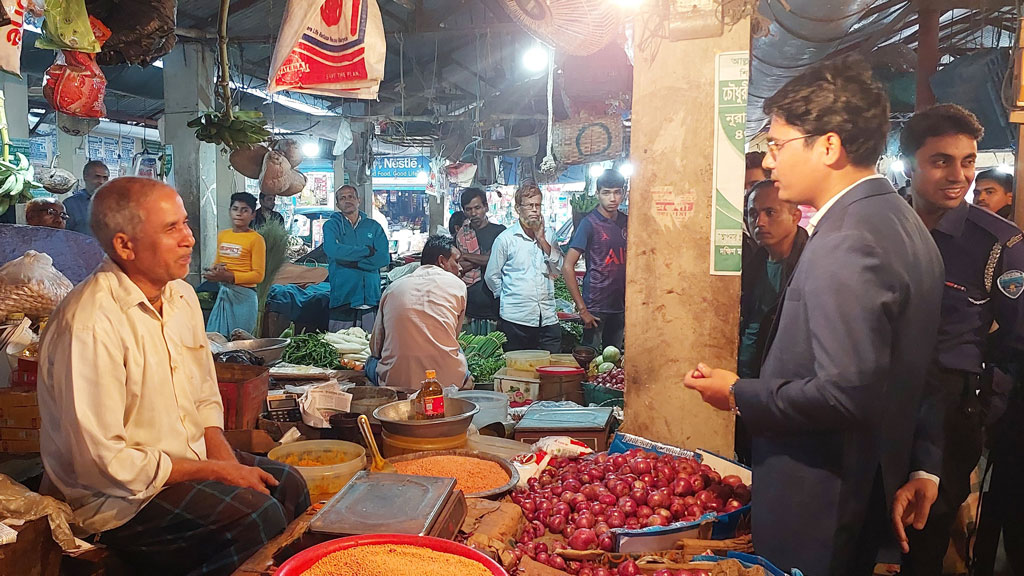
[395, 560]
[472, 475]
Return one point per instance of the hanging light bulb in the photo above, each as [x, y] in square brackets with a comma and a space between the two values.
[535, 59]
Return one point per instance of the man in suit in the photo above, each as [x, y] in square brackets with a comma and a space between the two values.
[833, 412]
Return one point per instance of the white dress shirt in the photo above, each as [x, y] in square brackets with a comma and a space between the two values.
[122, 391]
[521, 274]
[813, 222]
[417, 329]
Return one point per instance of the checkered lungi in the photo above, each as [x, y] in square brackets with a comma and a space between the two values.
[207, 527]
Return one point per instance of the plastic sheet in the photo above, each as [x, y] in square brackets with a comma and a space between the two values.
[20, 503]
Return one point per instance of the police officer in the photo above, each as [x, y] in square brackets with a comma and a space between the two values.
[984, 278]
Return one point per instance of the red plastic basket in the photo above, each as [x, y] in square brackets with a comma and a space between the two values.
[304, 560]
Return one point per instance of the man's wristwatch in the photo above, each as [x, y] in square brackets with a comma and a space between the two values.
[732, 400]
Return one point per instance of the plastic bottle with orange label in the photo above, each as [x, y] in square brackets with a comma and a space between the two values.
[430, 400]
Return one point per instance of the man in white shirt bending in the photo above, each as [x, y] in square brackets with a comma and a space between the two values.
[132, 421]
[417, 326]
[521, 272]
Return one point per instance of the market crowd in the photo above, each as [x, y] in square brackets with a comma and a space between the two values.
[880, 345]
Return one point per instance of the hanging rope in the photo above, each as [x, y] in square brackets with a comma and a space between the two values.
[547, 165]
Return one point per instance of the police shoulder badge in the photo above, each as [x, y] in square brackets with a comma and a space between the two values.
[1011, 283]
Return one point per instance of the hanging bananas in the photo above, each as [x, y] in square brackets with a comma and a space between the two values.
[243, 130]
[16, 182]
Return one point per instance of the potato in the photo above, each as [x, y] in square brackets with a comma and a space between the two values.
[290, 148]
[249, 163]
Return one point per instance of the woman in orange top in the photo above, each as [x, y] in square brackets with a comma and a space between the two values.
[240, 265]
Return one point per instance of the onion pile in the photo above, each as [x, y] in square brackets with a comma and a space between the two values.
[583, 499]
[615, 379]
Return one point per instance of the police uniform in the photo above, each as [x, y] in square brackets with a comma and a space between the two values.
[983, 256]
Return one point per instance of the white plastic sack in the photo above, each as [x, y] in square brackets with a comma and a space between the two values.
[32, 286]
[12, 37]
[344, 138]
[331, 48]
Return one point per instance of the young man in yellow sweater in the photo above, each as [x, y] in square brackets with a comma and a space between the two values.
[240, 265]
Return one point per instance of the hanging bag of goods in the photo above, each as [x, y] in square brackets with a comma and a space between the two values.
[331, 48]
[11, 32]
[74, 84]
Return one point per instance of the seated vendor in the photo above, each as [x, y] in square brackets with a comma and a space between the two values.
[419, 322]
[132, 420]
[48, 212]
[240, 265]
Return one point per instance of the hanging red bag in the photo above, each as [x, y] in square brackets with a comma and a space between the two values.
[74, 84]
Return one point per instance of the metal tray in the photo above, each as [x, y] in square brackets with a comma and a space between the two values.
[395, 418]
[513, 474]
[384, 503]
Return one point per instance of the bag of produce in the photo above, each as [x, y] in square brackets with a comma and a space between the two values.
[31, 285]
[74, 84]
[10, 47]
[66, 27]
[143, 30]
[330, 47]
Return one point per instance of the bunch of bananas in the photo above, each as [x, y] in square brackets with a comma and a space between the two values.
[243, 130]
[18, 180]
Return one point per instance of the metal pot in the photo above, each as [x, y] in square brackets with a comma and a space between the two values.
[396, 418]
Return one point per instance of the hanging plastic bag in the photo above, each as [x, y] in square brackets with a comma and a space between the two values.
[74, 84]
[31, 285]
[143, 30]
[330, 47]
[10, 47]
[66, 26]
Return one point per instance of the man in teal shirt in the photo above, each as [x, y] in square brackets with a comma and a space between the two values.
[356, 249]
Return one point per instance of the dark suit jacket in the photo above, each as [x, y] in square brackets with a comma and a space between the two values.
[842, 382]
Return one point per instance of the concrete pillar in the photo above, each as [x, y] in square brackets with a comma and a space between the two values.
[16, 106]
[72, 154]
[677, 313]
[188, 92]
[228, 182]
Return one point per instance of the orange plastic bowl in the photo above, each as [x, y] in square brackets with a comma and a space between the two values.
[305, 560]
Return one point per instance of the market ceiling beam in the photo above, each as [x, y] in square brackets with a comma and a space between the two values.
[235, 7]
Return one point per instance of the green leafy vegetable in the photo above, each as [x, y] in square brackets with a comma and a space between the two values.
[484, 354]
[311, 349]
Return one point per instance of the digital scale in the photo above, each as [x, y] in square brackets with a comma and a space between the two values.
[283, 407]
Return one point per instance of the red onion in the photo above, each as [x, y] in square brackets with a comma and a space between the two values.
[567, 496]
[639, 496]
[538, 528]
[557, 489]
[583, 539]
[602, 572]
[616, 519]
[629, 568]
[606, 542]
[572, 484]
[682, 487]
[602, 457]
[542, 557]
[705, 496]
[698, 483]
[655, 520]
[586, 520]
[657, 500]
[691, 501]
[542, 547]
[732, 505]
[732, 480]
[695, 511]
[644, 512]
[742, 493]
[601, 518]
[528, 505]
[627, 505]
[641, 465]
[715, 477]
[590, 491]
[647, 478]
[556, 562]
[556, 523]
[608, 499]
[678, 510]
[665, 513]
[619, 460]
[601, 528]
[626, 470]
[596, 508]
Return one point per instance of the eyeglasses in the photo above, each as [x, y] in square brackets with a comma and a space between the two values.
[775, 145]
[530, 206]
[61, 215]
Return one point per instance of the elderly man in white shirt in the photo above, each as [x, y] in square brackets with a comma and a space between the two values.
[521, 272]
[417, 328]
[132, 421]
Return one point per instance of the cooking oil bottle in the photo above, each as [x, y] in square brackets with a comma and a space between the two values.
[430, 400]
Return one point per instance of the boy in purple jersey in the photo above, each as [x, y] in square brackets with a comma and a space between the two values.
[602, 237]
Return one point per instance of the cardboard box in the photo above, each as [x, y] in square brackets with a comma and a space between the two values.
[20, 417]
[12, 398]
[19, 446]
[520, 388]
[19, 434]
[251, 441]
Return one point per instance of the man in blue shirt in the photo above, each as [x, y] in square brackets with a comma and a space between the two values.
[602, 237]
[356, 249]
[94, 175]
[983, 256]
[520, 271]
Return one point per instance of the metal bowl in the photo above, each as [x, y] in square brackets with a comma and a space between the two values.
[270, 349]
[396, 418]
[513, 475]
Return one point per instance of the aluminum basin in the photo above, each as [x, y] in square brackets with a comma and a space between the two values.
[270, 349]
[396, 418]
